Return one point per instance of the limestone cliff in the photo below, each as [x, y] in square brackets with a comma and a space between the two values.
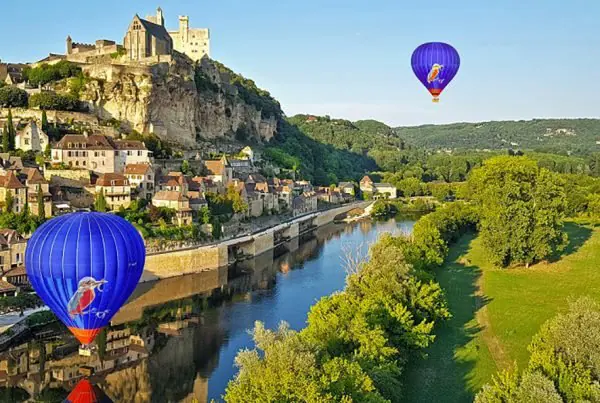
[178, 101]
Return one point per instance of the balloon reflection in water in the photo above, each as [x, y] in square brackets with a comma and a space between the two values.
[85, 392]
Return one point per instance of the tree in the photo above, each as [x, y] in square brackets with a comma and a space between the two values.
[9, 202]
[12, 97]
[521, 207]
[11, 132]
[238, 204]
[44, 121]
[204, 215]
[41, 205]
[100, 202]
[291, 372]
[410, 187]
[185, 167]
[5, 139]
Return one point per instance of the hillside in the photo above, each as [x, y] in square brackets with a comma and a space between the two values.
[555, 135]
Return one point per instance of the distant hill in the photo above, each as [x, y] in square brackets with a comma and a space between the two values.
[550, 135]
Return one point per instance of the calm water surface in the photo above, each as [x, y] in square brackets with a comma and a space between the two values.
[188, 330]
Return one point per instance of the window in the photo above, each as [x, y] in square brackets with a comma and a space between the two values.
[26, 141]
[69, 145]
[149, 178]
[139, 153]
[103, 154]
[129, 152]
[68, 154]
[84, 163]
[95, 153]
[76, 163]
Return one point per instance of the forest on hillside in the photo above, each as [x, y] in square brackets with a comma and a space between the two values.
[547, 135]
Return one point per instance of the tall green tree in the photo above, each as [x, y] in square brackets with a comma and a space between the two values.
[100, 202]
[41, 206]
[521, 209]
[11, 132]
[5, 139]
[44, 121]
[9, 202]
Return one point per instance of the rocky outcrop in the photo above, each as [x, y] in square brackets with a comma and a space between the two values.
[177, 100]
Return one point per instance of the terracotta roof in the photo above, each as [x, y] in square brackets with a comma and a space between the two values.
[5, 286]
[215, 167]
[34, 176]
[137, 169]
[169, 195]
[17, 271]
[366, 179]
[129, 145]
[11, 236]
[107, 179]
[93, 142]
[256, 178]
[10, 181]
[11, 162]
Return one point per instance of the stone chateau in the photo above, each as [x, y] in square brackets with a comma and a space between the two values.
[146, 39]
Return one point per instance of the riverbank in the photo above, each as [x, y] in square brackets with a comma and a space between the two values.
[225, 252]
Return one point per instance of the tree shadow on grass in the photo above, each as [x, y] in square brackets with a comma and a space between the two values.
[578, 235]
[446, 374]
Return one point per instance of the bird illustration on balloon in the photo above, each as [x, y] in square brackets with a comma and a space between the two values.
[84, 296]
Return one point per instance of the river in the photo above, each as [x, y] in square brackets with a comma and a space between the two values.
[176, 339]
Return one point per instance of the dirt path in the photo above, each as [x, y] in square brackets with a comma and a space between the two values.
[492, 341]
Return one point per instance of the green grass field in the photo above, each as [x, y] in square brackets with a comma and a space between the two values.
[496, 312]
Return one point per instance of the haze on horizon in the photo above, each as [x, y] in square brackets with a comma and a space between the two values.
[351, 59]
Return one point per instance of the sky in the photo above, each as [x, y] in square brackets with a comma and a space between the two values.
[351, 58]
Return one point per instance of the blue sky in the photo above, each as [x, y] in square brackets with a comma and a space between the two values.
[351, 58]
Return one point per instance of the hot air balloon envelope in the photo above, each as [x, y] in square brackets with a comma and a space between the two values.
[85, 392]
[435, 64]
[84, 266]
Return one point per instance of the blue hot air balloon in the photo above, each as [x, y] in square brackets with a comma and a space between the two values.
[84, 266]
[435, 64]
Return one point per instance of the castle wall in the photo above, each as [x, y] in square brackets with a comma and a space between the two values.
[194, 43]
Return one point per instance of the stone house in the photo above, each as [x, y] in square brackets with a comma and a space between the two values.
[32, 137]
[305, 203]
[14, 242]
[177, 201]
[116, 188]
[329, 195]
[377, 190]
[10, 163]
[220, 171]
[17, 276]
[141, 179]
[347, 188]
[130, 152]
[35, 182]
[147, 37]
[99, 154]
[174, 182]
[7, 290]
[10, 184]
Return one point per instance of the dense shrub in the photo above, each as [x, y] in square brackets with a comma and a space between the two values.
[47, 73]
[12, 97]
[53, 101]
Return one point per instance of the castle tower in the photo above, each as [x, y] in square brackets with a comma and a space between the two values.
[184, 27]
[69, 45]
[160, 20]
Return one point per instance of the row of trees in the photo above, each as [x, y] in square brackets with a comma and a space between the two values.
[564, 365]
[357, 342]
[13, 97]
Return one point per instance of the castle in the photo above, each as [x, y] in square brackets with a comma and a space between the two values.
[145, 40]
